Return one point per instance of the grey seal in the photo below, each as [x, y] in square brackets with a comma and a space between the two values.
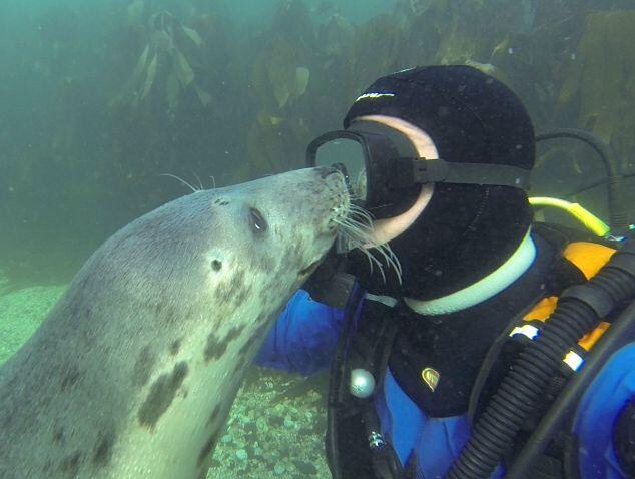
[133, 372]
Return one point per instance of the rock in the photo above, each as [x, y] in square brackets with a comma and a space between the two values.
[21, 313]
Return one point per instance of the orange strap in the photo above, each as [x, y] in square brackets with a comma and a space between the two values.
[589, 258]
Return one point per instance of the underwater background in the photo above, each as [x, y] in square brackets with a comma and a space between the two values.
[99, 99]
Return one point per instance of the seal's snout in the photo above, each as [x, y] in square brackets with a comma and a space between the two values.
[337, 190]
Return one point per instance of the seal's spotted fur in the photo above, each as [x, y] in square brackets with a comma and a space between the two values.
[133, 372]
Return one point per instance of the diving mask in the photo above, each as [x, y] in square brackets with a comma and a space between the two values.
[383, 169]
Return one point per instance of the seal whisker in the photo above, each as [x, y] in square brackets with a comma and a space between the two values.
[200, 183]
[181, 180]
[355, 209]
[357, 229]
[373, 260]
[391, 259]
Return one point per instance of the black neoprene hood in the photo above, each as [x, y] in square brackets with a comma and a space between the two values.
[466, 231]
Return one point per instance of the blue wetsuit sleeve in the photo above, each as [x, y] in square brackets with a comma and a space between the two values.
[304, 337]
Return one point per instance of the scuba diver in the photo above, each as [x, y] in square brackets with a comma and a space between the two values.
[464, 339]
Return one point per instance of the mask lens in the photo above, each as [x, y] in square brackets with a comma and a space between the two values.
[348, 156]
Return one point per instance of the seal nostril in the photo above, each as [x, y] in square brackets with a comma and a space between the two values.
[216, 265]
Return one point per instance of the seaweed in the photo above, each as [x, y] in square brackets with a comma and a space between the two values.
[601, 82]
[166, 62]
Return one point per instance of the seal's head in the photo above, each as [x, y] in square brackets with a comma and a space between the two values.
[213, 246]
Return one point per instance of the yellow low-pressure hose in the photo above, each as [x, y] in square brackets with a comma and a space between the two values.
[576, 210]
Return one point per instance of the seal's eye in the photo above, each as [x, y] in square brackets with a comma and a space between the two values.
[256, 222]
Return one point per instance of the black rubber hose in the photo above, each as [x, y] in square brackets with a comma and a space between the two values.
[618, 212]
[523, 386]
[601, 148]
[594, 183]
[338, 369]
[620, 333]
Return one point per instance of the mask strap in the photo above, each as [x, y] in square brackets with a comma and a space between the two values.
[412, 170]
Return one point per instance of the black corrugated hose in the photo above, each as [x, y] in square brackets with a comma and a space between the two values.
[621, 332]
[579, 311]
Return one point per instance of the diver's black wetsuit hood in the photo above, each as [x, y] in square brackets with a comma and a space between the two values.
[467, 231]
